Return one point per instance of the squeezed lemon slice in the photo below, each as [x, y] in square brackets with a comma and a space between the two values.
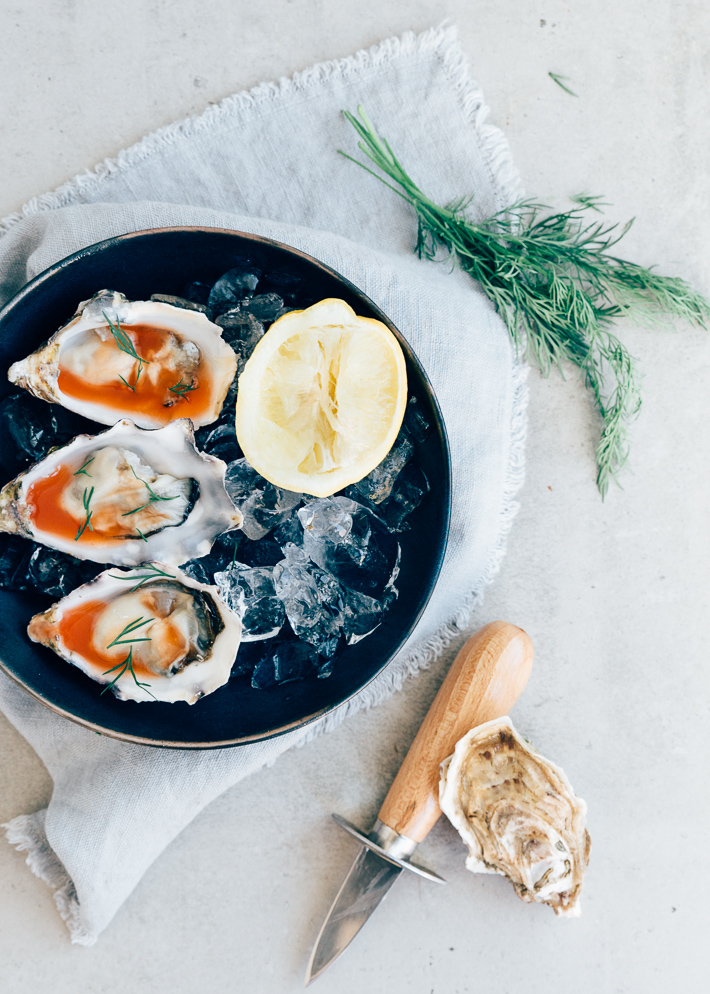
[321, 399]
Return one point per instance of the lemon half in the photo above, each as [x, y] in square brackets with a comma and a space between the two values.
[321, 399]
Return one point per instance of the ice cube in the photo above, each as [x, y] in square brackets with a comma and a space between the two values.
[222, 443]
[290, 531]
[15, 554]
[377, 485]
[415, 423]
[196, 291]
[30, 427]
[313, 603]
[351, 542]
[169, 298]
[265, 552]
[361, 615]
[264, 509]
[232, 287]
[289, 661]
[225, 550]
[251, 594]
[197, 570]
[240, 479]
[248, 656]
[57, 574]
[263, 505]
[265, 306]
[410, 490]
[282, 281]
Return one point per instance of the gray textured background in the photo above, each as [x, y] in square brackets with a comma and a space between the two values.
[614, 595]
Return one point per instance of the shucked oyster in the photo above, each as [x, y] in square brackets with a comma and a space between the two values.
[142, 359]
[125, 496]
[151, 633]
[518, 815]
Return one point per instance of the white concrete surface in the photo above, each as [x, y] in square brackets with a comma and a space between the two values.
[614, 594]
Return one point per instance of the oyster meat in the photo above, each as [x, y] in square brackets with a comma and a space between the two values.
[143, 359]
[125, 496]
[518, 815]
[149, 634]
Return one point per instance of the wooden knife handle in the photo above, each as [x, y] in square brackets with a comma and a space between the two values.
[485, 680]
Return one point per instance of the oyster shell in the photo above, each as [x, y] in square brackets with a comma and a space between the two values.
[518, 815]
[124, 496]
[152, 633]
[172, 363]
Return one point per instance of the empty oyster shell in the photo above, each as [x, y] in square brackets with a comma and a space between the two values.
[518, 815]
[158, 363]
[125, 496]
[148, 634]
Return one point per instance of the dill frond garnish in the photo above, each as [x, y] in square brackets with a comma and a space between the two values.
[82, 469]
[126, 665]
[124, 343]
[152, 498]
[126, 637]
[555, 284]
[151, 572]
[561, 80]
[131, 627]
[182, 389]
[86, 501]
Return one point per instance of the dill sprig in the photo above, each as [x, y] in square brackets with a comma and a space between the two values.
[554, 283]
[124, 343]
[86, 501]
[126, 637]
[561, 80]
[182, 389]
[132, 386]
[131, 627]
[151, 572]
[82, 469]
[126, 665]
[152, 498]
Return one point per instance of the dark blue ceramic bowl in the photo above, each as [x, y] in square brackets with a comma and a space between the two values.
[163, 261]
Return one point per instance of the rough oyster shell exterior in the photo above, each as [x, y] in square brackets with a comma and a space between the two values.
[518, 815]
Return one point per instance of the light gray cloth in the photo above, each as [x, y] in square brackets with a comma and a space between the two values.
[266, 161]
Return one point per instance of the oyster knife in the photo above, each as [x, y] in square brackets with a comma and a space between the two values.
[485, 680]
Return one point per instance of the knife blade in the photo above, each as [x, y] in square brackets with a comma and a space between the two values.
[364, 888]
[486, 678]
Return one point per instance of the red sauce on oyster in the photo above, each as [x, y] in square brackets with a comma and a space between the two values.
[157, 388]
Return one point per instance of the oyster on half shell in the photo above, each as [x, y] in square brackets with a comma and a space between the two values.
[158, 363]
[149, 634]
[518, 815]
[125, 496]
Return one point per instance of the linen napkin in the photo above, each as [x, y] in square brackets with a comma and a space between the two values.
[266, 161]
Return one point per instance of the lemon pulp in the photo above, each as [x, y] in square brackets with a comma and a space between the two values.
[321, 399]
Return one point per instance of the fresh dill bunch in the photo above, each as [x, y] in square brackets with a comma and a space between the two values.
[555, 284]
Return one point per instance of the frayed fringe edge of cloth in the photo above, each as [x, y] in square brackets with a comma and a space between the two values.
[27, 834]
[443, 40]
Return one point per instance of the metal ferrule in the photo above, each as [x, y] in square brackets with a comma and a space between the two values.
[394, 844]
[389, 845]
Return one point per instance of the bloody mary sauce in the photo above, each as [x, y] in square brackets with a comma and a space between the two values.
[152, 395]
[44, 499]
[76, 628]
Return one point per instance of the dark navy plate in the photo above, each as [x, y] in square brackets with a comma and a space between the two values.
[162, 261]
